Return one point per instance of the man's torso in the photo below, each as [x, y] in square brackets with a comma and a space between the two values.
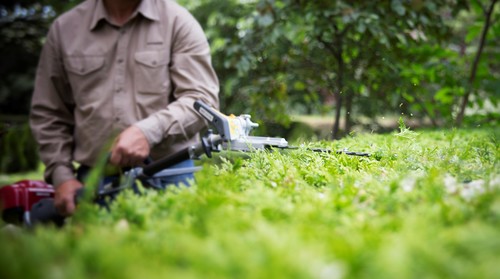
[117, 75]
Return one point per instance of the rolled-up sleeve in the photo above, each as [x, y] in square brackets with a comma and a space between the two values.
[193, 78]
[51, 116]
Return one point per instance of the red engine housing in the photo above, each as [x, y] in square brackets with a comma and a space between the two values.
[16, 200]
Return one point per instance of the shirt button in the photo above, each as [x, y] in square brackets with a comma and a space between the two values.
[120, 60]
[154, 62]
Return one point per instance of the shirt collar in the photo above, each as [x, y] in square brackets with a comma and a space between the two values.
[146, 8]
[99, 13]
[149, 10]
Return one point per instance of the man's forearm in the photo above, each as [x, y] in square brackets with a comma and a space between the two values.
[59, 174]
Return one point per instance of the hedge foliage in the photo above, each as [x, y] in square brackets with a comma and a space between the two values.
[424, 205]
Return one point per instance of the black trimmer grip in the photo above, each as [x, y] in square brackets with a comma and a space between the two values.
[166, 162]
[45, 211]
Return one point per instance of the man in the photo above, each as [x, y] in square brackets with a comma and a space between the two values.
[120, 71]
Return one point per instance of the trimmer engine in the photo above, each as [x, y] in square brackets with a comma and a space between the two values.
[17, 200]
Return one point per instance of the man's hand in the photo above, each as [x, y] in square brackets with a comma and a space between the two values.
[130, 148]
[65, 194]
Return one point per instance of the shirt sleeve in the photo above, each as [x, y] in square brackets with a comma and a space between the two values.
[193, 78]
[51, 116]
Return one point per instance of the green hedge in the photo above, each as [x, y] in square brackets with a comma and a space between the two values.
[426, 205]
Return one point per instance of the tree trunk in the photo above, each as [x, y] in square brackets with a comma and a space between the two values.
[340, 87]
[472, 77]
[348, 108]
[336, 121]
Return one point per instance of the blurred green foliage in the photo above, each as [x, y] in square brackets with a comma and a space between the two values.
[359, 58]
[18, 149]
[23, 26]
[425, 205]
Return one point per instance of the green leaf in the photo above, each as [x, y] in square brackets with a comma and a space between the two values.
[444, 95]
[401, 38]
[361, 27]
[397, 6]
[298, 85]
[265, 20]
[473, 32]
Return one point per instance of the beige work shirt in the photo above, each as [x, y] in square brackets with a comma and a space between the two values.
[95, 79]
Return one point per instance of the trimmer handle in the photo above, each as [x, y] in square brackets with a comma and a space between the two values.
[215, 118]
[45, 211]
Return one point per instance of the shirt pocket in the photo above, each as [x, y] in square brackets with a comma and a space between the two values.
[85, 75]
[151, 73]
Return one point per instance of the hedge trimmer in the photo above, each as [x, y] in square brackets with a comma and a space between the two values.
[233, 134]
[30, 202]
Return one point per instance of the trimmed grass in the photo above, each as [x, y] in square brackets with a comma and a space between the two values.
[424, 205]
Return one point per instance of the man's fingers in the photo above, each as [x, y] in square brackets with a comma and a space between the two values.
[70, 207]
[130, 148]
[125, 162]
[64, 199]
[66, 206]
[116, 157]
[120, 157]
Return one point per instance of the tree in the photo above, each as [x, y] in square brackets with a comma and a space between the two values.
[486, 10]
[348, 49]
[276, 56]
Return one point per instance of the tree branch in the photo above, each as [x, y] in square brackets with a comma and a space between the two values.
[330, 46]
[482, 41]
[475, 64]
